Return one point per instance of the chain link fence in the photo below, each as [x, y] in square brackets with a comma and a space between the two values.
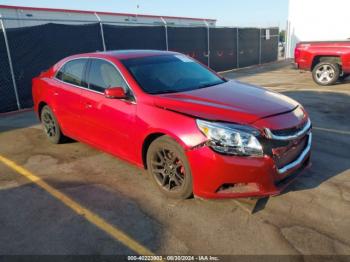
[8, 91]
[33, 45]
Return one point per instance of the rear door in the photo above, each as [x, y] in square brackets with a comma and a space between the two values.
[67, 96]
[109, 122]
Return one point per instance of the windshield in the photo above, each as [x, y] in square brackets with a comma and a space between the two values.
[170, 74]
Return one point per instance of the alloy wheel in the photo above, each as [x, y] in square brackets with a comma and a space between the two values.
[168, 170]
[325, 74]
[49, 124]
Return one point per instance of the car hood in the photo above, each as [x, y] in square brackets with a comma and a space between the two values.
[231, 101]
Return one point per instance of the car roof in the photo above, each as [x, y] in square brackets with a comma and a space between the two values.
[117, 54]
[129, 53]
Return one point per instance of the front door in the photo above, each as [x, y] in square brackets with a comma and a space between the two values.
[109, 122]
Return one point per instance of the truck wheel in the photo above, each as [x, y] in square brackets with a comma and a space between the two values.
[326, 73]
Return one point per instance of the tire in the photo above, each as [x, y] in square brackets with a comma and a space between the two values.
[169, 168]
[51, 126]
[326, 73]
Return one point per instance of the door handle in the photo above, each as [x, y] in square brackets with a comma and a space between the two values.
[87, 106]
[55, 93]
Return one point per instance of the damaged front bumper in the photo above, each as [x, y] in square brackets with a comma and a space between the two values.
[223, 176]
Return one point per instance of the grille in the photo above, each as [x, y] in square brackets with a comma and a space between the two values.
[289, 131]
[285, 180]
[289, 153]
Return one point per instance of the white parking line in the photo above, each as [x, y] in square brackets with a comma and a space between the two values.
[341, 132]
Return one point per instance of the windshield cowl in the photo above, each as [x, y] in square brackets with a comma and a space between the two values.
[191, 89]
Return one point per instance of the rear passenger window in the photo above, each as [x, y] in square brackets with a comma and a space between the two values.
[103, 75]
[73, 72]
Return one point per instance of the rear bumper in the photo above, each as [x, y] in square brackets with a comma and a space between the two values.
[221, 176]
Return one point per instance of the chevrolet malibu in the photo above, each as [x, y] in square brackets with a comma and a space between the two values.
[194, 131]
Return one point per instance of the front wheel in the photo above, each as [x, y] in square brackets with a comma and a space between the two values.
[326, 73]
[169, 168]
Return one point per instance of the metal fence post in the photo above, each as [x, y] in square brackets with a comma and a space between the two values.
[287, 41]
[278, 48]
[166, 33]
[237, 44]
[102, 33]
[10, 62]
[260, 46]
[208, 41]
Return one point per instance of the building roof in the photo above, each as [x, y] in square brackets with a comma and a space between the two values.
[102, 13]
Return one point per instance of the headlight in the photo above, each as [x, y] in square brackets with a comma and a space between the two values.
[231, 139]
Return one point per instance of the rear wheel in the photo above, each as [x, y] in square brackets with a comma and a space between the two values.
[169, 168]
[326, 73]
[51, 126]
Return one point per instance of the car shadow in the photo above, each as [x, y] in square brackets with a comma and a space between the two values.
[23, 119]
[16, 120]
[344, 81]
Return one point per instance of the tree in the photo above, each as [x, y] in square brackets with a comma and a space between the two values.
[282, 36]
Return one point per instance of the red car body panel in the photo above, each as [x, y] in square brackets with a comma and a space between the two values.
[282, 121]
[258, 173]
[230, 101]
[306, 52]
[122, 127]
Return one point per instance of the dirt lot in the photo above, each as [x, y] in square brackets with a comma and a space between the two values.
[311, 217]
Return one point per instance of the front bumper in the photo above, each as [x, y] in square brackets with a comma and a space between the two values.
[222, 176]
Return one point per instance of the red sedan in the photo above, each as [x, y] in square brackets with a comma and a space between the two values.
[195, 132]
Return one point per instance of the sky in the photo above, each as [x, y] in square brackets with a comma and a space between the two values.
[242, 13]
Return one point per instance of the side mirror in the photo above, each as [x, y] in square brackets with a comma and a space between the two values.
[115, 92]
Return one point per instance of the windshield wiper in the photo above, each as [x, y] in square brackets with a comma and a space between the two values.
[165, 91]
[201, 86]
[209, 84]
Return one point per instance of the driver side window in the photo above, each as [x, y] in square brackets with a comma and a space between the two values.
[103, 75]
